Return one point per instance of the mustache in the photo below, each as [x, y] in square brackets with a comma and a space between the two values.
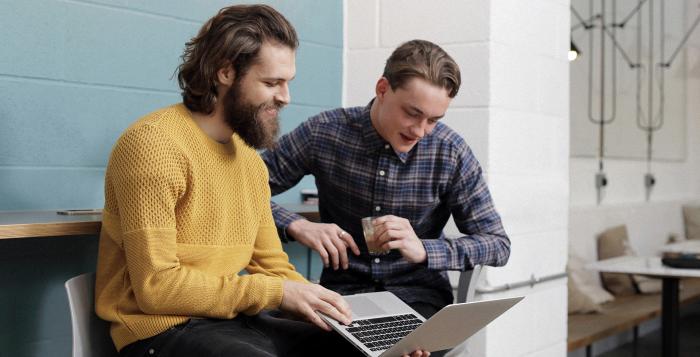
[273, 105]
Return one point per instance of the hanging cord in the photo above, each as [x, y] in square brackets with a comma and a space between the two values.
[629, 16]
[652, 121]
[683, 41]
[638, 96]
[586, 24]
[602, 120]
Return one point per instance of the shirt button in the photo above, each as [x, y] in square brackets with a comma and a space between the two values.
[377, 260]
[382, 173]
[151, 351]
[386, 146]
[378, 208]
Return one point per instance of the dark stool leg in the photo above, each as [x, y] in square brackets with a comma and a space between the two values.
[669, 317]
[589, 350]
[635, 339]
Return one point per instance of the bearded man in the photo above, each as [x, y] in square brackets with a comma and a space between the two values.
[187, 209]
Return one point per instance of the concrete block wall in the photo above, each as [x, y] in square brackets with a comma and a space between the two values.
[528, 167]
[513, 111]
[73, 75]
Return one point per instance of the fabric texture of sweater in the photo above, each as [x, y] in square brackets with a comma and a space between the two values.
[184, 215]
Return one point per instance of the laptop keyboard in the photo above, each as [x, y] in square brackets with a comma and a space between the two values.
[380, 333]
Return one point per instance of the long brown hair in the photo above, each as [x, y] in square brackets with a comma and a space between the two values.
[425, 60]
[232, 37]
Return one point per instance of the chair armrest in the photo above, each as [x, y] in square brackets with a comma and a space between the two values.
[467, 284]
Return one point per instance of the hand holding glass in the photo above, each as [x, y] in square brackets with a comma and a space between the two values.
[368, 231]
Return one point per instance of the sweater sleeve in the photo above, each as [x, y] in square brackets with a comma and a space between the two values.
[149, 175]
[268, 256]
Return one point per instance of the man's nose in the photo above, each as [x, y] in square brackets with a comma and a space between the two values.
[419, 130]
[283, 96]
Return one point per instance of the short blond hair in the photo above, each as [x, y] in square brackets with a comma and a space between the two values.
[425, 60]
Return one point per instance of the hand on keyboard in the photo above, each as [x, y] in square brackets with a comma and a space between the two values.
[305, 299]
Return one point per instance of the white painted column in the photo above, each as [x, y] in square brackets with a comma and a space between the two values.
[513, 110]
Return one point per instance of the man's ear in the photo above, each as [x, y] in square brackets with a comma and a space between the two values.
[382, 87]
[226, 75]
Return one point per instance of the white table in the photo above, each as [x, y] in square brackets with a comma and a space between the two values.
[687, 246]
[651, 266]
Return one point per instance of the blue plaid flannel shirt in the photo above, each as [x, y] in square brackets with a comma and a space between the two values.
[358, 174]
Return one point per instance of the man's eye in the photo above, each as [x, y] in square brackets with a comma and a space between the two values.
[432, 121]
[270, 84]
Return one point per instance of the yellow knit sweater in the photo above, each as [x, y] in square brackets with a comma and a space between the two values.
[183, 216]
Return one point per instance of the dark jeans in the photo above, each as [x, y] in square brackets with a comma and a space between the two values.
[267, 334]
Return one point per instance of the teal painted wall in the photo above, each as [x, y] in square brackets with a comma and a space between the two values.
[73, 75]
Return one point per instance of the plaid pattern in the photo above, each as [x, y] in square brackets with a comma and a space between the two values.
[358, 174]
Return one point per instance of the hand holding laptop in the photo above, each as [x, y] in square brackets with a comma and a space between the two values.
[312, 301]
[305, 300]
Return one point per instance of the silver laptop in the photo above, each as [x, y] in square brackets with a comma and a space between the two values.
[383, 325]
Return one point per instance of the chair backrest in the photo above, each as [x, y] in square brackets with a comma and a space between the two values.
[90, 333]
[466, 287]
[467, 284]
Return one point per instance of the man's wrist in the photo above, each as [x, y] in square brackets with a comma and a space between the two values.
[424, 259]
[294, 228]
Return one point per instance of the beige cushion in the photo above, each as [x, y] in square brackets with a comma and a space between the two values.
[647, 285]
[580, 303]
[585, 292]
[612, 243]
[691, 217]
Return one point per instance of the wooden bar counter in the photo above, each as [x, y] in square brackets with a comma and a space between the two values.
[33, 224]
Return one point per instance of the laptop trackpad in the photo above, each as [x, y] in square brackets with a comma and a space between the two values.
[363, 307]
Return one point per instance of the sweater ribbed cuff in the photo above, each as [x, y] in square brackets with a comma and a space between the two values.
[274, 292]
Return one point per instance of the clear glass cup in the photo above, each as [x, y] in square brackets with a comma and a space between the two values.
[368, 231]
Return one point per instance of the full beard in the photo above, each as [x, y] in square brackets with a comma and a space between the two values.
[244, 119]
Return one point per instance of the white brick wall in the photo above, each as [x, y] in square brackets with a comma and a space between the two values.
[444, 22]
[530, 328]
[513, 110]
[473, 60]
[364, 67]
[528, 167]
[472, 123]
[363, 32]
[529, 247]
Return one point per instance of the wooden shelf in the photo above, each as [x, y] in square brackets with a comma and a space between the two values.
[30, 224]
[33, 224]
